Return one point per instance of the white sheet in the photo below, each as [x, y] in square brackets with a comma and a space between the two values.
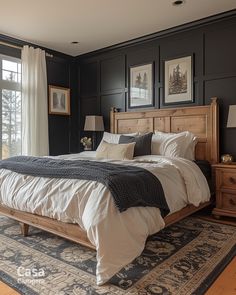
[118, 237]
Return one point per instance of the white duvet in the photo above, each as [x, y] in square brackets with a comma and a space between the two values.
[118, 237]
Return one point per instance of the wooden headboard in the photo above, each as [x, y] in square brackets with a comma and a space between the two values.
[200, 120]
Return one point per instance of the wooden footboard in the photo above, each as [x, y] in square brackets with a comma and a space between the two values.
[186, 211]
[68, 231]
[74, 232]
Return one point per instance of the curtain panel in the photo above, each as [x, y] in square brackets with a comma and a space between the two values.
[34, 103]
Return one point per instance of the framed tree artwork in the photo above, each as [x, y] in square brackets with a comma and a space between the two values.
[141, 86]
[178, 86]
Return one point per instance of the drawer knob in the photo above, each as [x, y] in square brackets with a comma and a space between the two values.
[232, 202]
[232, 180]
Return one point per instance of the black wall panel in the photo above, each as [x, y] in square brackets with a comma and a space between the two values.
[89, 106]
[225, 89]
[58, 135]
[220, 48]
[108, 101]
[59, 126]
[88, 79]
[142, 54]
[74, 104]
[113, 73]
[10, 51]
[213, 48]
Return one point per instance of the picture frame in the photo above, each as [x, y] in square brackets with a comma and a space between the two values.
[178, 81]
[141, 86]
[59, 100]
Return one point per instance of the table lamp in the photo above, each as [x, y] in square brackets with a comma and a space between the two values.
[231, 123]
[232, 116]
[94, 123]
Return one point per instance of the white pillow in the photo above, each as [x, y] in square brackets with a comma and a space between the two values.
[115, 151]
[174, 144]
[190, 152]
[114, 137]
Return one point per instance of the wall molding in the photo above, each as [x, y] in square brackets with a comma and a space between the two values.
[21, 43]
[163, 33]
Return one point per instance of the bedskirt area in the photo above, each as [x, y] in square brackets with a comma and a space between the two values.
[184, 258]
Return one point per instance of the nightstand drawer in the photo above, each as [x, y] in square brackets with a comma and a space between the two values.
[225, 190]
[227, 179]
[228, 201]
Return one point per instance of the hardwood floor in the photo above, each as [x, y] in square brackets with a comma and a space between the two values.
[5, 290]
[225, 284]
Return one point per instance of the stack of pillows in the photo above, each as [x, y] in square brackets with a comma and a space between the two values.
[127, 146]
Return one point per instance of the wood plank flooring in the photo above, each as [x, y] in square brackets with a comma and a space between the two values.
[5, 290]
[225, 284]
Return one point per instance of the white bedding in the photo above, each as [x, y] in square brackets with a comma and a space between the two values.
[118, 237]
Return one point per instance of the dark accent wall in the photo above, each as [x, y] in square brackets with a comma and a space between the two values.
[104, 74]
[63, 137]
[62, 70]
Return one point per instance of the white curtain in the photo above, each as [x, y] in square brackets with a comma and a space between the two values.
[34, 103]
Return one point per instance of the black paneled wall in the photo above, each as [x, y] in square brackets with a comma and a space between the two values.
[104, 75]
[63, 130]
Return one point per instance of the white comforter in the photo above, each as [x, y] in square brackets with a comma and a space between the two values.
[118, 237]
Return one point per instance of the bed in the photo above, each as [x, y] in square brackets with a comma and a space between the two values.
[200, 120]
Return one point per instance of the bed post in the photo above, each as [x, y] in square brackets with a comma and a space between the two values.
[214, 109]
[112, 119]
[24, 229]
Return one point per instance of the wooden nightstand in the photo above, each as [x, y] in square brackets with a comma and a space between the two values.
[225, 190]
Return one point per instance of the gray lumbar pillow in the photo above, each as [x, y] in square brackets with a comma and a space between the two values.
[143, 143]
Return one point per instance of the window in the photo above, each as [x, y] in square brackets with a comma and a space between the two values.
[10, 106]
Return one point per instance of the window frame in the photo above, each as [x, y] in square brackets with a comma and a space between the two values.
[8, 85]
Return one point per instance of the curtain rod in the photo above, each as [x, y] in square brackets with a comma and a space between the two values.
[19, 47]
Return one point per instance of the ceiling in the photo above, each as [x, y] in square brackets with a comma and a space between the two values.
[97, 24]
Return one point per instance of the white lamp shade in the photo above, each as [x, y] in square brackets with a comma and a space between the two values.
[232, 116]
[94, 123]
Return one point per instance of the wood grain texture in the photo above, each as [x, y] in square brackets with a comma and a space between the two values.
[6, 290]
[225, 284]
[66, 230]
[24, 229]
[186, 211]
[202, 121]
[225, 176]
[74, 232]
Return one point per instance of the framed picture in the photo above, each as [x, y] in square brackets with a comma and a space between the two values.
[141, 86]
[59, 100]
[178, 81]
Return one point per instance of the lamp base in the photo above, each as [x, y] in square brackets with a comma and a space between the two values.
[94, 140]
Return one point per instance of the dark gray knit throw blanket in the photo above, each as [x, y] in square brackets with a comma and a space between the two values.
[130, 186]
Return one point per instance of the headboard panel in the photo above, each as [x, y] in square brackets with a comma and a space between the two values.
[200, 120]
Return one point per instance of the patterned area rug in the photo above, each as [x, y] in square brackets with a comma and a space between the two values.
[184, 258]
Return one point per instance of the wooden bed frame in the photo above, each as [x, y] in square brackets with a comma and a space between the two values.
[201, 120]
